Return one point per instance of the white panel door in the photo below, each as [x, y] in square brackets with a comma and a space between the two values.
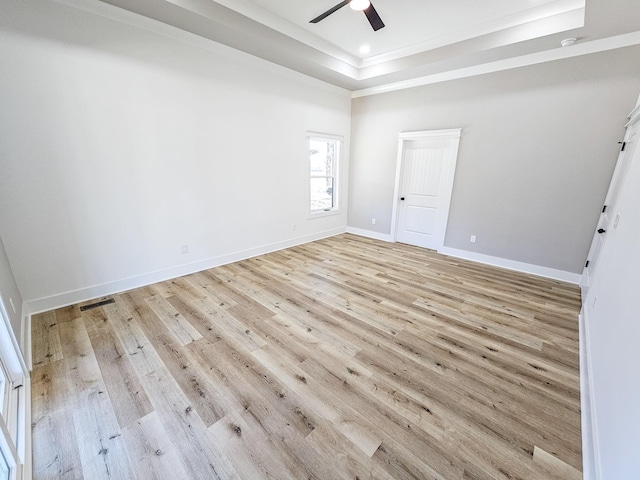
[427, 166]
[606, 221]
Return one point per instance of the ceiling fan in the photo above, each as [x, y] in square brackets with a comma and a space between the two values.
[365, 5]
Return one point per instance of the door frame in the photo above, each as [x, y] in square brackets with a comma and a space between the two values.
[618, 178]
[403, 138]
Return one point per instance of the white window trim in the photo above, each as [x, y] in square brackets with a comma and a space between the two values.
[13, 422]
[337, 209]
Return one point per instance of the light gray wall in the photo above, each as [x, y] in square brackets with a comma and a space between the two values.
[537, 150]
[120, 144]
[10, 293]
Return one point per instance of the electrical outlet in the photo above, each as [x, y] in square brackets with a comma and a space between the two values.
[184, 249]
[293, 227]
[373, 221]
[473, 239]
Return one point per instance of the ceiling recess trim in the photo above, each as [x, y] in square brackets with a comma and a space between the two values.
[560, 53]
[534, 22]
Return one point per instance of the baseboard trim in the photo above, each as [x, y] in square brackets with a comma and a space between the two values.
[69, 298]
[531, 269]
[385, 237]
[590, 446]
[546, 272]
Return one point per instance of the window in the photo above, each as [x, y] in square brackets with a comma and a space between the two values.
[13, 378]
[4, 389]
[7, 436]
[324, 156]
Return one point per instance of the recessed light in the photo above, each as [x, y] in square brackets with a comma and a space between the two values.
[365, 49]
[567, 42]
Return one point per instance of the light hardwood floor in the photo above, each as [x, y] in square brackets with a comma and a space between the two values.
[344, 358]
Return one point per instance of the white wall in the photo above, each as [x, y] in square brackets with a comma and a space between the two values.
[120, 144]
[537, 150]
[612, 320]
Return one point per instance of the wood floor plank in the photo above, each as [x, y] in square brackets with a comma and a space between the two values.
[227, 320]
[151, 451]
[182, 330]
[46, 339]
[55, 446]
[136, 345]
[188, 434]
[337, 359]
[117, 372]
[81, 367]
[347, 420]
[249, 382]
[254, 454]
[194, 315]
[397, 431]
[103, 453]
[554, 466]
[299, 305]
[333, 450]
[494, 367]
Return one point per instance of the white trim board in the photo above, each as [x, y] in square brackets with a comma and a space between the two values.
[590, 463]
[95, 291]
[385, 237]
[25, 337]
[523, 267]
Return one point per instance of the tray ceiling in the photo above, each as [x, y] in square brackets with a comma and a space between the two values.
[421, 37]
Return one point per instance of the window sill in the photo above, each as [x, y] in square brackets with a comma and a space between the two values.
[324, 213]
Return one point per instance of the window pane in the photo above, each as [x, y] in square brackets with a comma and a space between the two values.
[323, 173]
[3, 387]
[322, 157]
[321, 193]
[4, 468]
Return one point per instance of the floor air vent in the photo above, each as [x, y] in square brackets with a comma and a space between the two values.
[97, 304]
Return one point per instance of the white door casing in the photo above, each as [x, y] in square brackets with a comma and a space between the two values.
[606, 221]
[424, 184]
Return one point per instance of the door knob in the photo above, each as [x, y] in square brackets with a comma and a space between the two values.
[601, 230]
[401, 198]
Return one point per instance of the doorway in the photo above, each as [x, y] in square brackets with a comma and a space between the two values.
[607, 219]
[424, 184]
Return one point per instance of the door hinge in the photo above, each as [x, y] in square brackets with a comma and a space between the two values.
[586, 265]
[624, 144]
[604, 209]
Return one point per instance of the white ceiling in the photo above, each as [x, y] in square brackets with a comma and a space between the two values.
[411, 25]
[421, 37]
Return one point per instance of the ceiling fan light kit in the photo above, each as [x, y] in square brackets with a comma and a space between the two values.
[364, 5]
[359, 5]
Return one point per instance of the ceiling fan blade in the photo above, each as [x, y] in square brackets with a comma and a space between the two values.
[330, 11]
[373, 17]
